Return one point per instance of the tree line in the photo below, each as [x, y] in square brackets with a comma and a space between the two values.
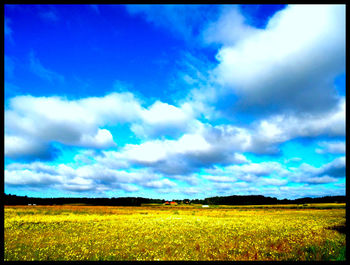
[9, 199]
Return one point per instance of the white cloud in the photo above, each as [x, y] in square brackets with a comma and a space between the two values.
[147, 152]
[283, 66]
[160, 184]
[102, 139]
[34, 166]
[85, 156]
[156, 150]
[327, 173]
[22, 147]
[208, 145]
[70, 122]
[264, 173]
[121, 107]
[335, 147]
[273, 181]
[164, 119]
[219, 178]
[160, 113]
[73, 177]
[30, 178]
[81, 182]
[229, 28]
[129, 187]
[111, 159]
[258, 169]
[268, 133]
[182, 156]
[80, 122]
[320, 180]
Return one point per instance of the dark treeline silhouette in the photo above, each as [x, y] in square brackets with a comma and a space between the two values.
[260, 200]
[9, 199]
[123, 201]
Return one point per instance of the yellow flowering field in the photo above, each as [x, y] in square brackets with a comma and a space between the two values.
[173, 233]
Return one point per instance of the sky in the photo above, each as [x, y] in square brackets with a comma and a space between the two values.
[174, 101]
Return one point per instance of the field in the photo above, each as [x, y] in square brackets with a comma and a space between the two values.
[72, 232]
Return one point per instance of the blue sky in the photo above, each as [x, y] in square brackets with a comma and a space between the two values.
[174, 101]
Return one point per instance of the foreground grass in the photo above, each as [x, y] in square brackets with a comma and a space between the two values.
[172, 233]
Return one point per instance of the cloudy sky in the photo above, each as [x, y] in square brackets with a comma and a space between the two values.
[175, 101]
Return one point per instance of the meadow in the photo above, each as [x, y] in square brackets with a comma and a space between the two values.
[149, 232]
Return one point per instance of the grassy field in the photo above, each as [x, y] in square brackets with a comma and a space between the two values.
[71, 232]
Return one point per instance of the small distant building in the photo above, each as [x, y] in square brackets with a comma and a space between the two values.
[29, 204]
[34, 204]
[205, 206]
[170, 203]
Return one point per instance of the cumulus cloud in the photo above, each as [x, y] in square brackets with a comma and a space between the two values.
[248, 177]
[264, 136]
[209, 145]
[38, 167]
[327, 173]
[103, 138]
[229, 28]
[282, 67]
[80, 178]
[180, 157]
[41, 120]
[269, 132]
[273, 181]
[336, 168]
[272, 178]
[80, 122]
[164, 119]
[261, 137]
[219, 178]
[332, 147]
[249, 172]
[258, 169]
[320, 180]
[29, 178]
[27, 149]
[160, 184]
[35, 174]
